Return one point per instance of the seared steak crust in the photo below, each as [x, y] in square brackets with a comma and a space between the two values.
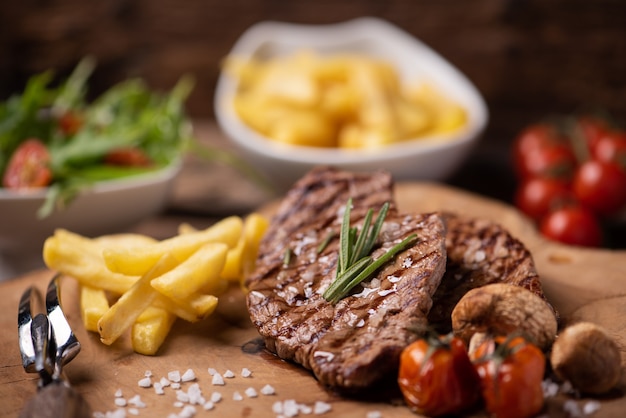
[356, 342]
[480, 252]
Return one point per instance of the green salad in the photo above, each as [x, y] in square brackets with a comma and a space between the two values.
[53, 138]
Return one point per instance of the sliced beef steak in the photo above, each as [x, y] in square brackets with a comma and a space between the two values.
[356, 342]
[479, 252]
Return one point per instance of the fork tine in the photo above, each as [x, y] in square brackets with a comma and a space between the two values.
[24, 323]
[67, 345]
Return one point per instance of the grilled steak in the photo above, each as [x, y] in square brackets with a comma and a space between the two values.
[480, 252]
[356, 342]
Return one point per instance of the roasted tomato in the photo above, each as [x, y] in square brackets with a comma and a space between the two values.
[28, 166]
[536, 197]
[133, 157]
[573, 225]
[437, 377]
[511, 371]
[601, 186]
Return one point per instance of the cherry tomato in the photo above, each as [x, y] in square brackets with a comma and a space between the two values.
[538, 196]
[593, 129]
[70, 123]
[511, 373]
[28, 166]
[600, 186]
[541, 151]
[573, 225]
[437, 377]
[130, 156]
[611, 147]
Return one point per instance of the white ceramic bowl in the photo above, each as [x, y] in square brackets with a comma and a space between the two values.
[425, 159]
[107, 207]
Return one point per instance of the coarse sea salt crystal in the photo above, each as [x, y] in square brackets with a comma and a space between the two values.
[268, 390]
[212, 371]
[118, 393]
[237, 396]
[145, 382]
[229, 374]
[572, 409]
[187, 412]
[321, 407]
[120, 402]
[251, 393]
[208, 406]
[216, 397]
[136, 401]
[182, 396]
[164, 382]
[218, 380]
[158, 388]
[374, 414]
[175, 385]
[178, 404]
[147, 373]
[591, 407]
[245, 372]
[133, 411]
[324, 354]
[174, 376]
[188, 376]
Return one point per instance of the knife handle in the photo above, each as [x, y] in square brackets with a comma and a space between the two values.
[56, 400]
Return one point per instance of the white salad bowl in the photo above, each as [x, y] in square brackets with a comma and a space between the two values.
[430, 158]
[107, 207]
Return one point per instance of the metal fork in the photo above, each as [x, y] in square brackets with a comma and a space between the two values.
[47, 344]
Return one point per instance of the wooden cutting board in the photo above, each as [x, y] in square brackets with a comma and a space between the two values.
[581, 284]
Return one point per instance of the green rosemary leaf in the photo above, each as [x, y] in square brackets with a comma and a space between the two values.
[373, 236]
[287, 257]
[344, 240]
[358, 250]
[337, 288]
[324, 244]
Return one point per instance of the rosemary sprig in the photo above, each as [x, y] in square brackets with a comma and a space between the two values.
[355, 263]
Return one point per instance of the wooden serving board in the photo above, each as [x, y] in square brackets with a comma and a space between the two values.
[581, 283]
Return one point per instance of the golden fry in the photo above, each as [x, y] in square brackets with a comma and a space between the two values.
[93, 305]
[138, 260]
[199, 270]
[131, 304]
[150, 330]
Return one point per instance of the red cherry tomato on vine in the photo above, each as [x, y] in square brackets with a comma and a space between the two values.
[573, 225]
[437, 377]
[538, 196]
[600, 186]
[511, 373]
[541, 151]
[611, 148]
[593, 129]
[28, 166]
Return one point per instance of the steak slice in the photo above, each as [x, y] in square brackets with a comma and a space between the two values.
[479, 252]
[355, 343]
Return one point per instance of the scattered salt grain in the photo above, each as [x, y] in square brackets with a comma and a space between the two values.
[120, 402]
[175, 385]
[237, 396]
[245, 372]
[208, 406]
[118, 393]
[321, 407]
[572, 409]
[133, 411]
[136, 401]
[148, 373]
[174, 376]
[145, 382]
[591, 407]
[251, 393]
[374, 414]
[212, 371]
[268, 390]
[229, 374]
[324, 354]
[305, 409]
[216, 397]
[188, 376]
[290, 408]
[187, 412]
[178, 404]
[182, 396]
[164, 382]
[195, 395]
[158, 388]
[218, 380]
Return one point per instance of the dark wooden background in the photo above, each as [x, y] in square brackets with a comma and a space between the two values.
[530, 59]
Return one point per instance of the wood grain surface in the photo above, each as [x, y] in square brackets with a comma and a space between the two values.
[581, 283]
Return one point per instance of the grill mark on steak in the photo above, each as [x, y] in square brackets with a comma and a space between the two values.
[356, 342]
[480, 252]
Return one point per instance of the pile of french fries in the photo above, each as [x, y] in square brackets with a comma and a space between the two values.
[345, 101]
[150, 283]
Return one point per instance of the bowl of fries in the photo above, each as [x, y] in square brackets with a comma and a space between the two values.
[360, 95]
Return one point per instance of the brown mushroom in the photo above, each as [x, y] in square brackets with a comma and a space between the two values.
[501, 309]
[586, 356]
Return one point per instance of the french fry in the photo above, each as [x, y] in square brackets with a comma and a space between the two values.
[62, 253]
[180, 309]
[254, 229]
[131, 304]
[138, 260]
[93, 305]
[197, 271]
[150, 330]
